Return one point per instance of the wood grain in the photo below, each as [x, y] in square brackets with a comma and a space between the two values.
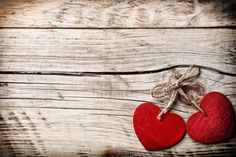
[77, 51]
[48, 115]
[73, 91]
[117, 14]
[72, 72]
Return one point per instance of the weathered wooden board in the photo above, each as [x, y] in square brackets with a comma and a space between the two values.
[73, 92]
[73, 51]
[57, 115]
[113, 13]
[69, 86]
[134, 87]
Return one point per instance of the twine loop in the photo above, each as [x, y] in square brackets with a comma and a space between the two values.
[175, 88]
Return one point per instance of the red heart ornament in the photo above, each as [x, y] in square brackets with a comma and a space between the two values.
[218, 125]
[155, 134]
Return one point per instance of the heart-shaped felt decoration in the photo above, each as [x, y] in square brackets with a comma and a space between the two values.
[155, 134]
[218, 125]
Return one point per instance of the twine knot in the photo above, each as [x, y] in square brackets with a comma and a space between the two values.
[175, 88]
[176, 85]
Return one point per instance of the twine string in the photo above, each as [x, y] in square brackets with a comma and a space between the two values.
[174, 88]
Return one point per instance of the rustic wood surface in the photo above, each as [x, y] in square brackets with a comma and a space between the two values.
[115, 50]
[117, 13]
[72, 72]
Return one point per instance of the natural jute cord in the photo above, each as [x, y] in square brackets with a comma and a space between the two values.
[174, 88]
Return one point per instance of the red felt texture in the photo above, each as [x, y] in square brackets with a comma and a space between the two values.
[218, 125]
[155, 134]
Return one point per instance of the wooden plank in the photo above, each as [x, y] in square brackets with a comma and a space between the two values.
[116, 14]
[57, 115]
[55, 132]
[73, 51]
[134, 87]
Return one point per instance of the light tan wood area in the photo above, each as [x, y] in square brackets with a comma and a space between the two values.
[117, 13]
[72, 72]
[112, 50]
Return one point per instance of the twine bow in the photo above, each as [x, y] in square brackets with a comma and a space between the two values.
[174, 88]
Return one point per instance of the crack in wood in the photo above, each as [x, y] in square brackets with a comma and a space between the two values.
[111, 73]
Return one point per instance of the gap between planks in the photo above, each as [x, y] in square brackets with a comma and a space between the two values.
[71, 73]
[210, 27]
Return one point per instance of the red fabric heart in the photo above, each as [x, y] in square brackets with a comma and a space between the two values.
[155, 134]
[218, 125]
